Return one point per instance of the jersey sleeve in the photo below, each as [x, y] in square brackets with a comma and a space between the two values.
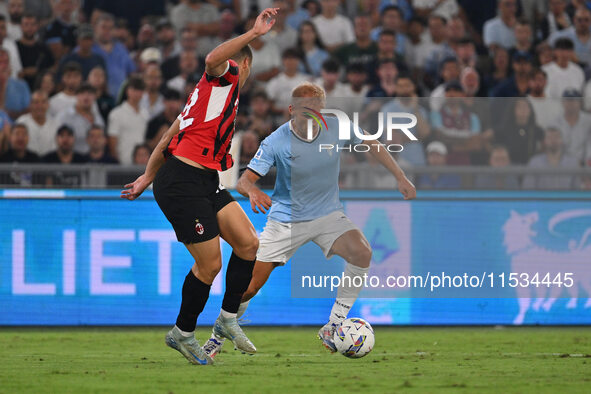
[264, 159]
[355, 140]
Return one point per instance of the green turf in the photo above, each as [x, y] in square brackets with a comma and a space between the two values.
[135, 360]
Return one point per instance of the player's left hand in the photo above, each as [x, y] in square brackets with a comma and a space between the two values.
[136, 188]
[407, 189]
[265, 21]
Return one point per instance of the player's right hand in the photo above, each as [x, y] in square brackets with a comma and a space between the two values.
[136, 188]
[259, 201]
[265, 21]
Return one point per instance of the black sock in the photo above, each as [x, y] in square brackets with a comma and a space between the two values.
[238, 276]
[195, 295]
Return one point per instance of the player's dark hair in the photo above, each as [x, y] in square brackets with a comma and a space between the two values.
[245, 52]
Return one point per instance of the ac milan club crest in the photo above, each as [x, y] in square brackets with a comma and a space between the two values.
[199, 227]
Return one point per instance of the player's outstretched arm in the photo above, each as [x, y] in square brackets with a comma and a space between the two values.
[135, 189]
[215, 61]
[379, 151]
[246, 186]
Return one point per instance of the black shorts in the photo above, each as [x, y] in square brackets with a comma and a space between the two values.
[190, 198]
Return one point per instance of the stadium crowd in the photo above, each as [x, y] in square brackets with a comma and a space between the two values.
[492, 82]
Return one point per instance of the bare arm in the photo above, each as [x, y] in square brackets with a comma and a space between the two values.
[381, 154]
[135, 189]
[247, 187]
[215, 61]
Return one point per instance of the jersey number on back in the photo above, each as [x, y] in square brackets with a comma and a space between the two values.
[185, 122]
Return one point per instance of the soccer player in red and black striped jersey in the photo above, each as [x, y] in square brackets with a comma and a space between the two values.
[184, 168]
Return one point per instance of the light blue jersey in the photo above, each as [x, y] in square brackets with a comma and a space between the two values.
[307, 181]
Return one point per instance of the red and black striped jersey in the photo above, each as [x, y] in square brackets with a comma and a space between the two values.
[207, 121]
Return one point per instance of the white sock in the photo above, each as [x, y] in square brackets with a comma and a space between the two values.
[185, 333]
[242, 309]
[347, 293]
[227, 315]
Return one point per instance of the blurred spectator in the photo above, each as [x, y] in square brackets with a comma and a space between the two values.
[574, 124]
[170, 67]
[35, 56]
[520, 133]
[499, 158]
[146, 38]
[96, 139]
[152, 101]
[363, 50]
[554, 156]
[458, 127]
[158, 125]
[417, 38]
[141, 154]
[249, 144]
[283, 35]
[308, 9]
[579, 34]
[124, 35]
[15, 13]
[387, 73]
[523, 38]
[386, 45]
[70, 81]
[334, 29]
[544, 53]
[115, 55]
[127, 123]
[46, 82]
[456, 29]
[166, 39]
[500, 31]
[15, 94]
[556, 20]
[474, 100]
[60, 33]
[5, 125]
[407, 101]
[40, 125]
[465, 50]
[312, 48]
[391, 19]
[40, 8]
[188, 67]
[83, 53]
[500, 69]
[65, 153]
[19, 152]
[98, 80]
[449, 70]
[266, 56]
[547, 110]
[259, 119]
[517, 84]
[429, 53]
[81, 116]
[562, 72]
[436, 157]
[279, 88]
[226, 31]
[356, 79]
[444, 8]
[196, 14]
[11, 49]
[329, 79]
[148, 56]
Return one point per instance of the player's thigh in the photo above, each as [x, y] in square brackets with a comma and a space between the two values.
[208, 259]
[353, 247]
[237, 230]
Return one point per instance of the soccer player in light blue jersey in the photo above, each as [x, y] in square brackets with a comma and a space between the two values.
[305, 203]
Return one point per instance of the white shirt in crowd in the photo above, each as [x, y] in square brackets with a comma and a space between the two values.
[560, 79]
[60, 102]
[41, 137]
[587, 96]
[129, 126]
[446, 8]
[577, 136]
[265, 58]
[547, 110]
[14, 56]
[153, 110]
[335, 31]
[280, 87]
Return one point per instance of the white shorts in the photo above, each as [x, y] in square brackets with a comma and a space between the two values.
[279, 241]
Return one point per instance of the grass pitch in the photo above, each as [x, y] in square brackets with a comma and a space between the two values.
[418, 360]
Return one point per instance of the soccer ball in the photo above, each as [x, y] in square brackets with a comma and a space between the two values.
[354, 338]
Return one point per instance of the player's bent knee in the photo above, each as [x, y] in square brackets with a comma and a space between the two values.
[209, 272]
[248, 249]
[361, 256]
